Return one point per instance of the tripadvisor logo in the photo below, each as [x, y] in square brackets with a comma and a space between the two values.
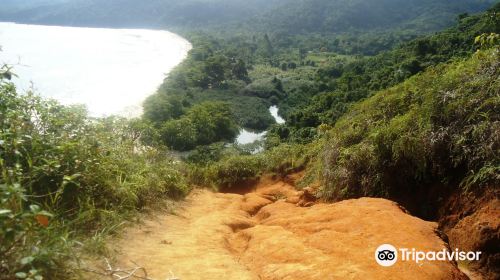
[387, 255]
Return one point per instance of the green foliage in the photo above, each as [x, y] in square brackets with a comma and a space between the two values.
[270, 88]
[342, 81]
[207, 154]
[226, 168]
[65, 176]
[316, 86]
[488, 40]
[216, 70]
[249, 111]
[338, 16]
[160, 108]
[233, 170]
[441, 125]
[204, 123]
[28, 248]
[285, 159]
[309, 19]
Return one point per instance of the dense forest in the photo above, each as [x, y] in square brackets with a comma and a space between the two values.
[276, 16]
[377, 102]
[345, 27]
[312, 88]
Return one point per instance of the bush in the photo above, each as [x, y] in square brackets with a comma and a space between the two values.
[440, 125]
[265, 88]
[285, 159]
[234, 170]
[232, 167]
[204, 123]
[64, 176]
[30, 247]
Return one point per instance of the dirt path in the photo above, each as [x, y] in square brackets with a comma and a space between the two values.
[265, 235]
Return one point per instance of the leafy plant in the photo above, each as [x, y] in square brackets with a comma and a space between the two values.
[65, 176]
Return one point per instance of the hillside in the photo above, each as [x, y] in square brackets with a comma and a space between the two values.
[340, 81]
[133, 14]
[375, 111]
[311, 88]
[423, 143]
[289, 16]
[327, 16]
[350, 27]
[430, 143]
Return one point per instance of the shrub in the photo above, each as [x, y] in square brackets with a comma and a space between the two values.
[233, 167]
[442, 124]
[234, 170]
[64, 176]
[204, 123]
[265, 88]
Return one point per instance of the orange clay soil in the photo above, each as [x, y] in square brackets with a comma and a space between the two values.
[264, 234]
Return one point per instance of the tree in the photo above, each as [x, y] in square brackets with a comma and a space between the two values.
[204, 124]
[215, 67]
[302, 53]
[268, 47]
[240, 71]
[159, 108]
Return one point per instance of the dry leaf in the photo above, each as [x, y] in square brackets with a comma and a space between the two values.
[42, 220]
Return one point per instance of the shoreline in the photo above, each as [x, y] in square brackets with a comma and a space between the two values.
[102, 48]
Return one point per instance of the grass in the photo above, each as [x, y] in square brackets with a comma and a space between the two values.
[440, 124]
[66, 177]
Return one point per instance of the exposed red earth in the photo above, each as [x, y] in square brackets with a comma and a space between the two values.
[274, 231]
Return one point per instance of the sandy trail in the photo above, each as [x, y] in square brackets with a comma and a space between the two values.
[265, 235]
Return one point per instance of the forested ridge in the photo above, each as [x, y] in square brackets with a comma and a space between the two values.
[377, 103]
[290, 16]
[352, 27]
[311, 87]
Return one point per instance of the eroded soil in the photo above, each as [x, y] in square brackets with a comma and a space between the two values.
[265, 234]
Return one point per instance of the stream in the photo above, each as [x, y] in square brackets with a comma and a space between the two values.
[248, 137]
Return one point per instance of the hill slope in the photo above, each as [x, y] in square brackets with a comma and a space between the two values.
[131, 13]
[330, 16]
[290, 16]
[422, 142]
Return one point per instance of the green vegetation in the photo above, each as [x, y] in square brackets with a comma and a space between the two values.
[340, 26]
[313, 78]
[203, 124]
[362, 118]
[315, 90]
[221, 168]
[438, 127]
[214, 72]
[358, 26]
[67, 177]
[311, 88]
[341, 82]
[360, 154]
[338, 16]
[278, 16]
